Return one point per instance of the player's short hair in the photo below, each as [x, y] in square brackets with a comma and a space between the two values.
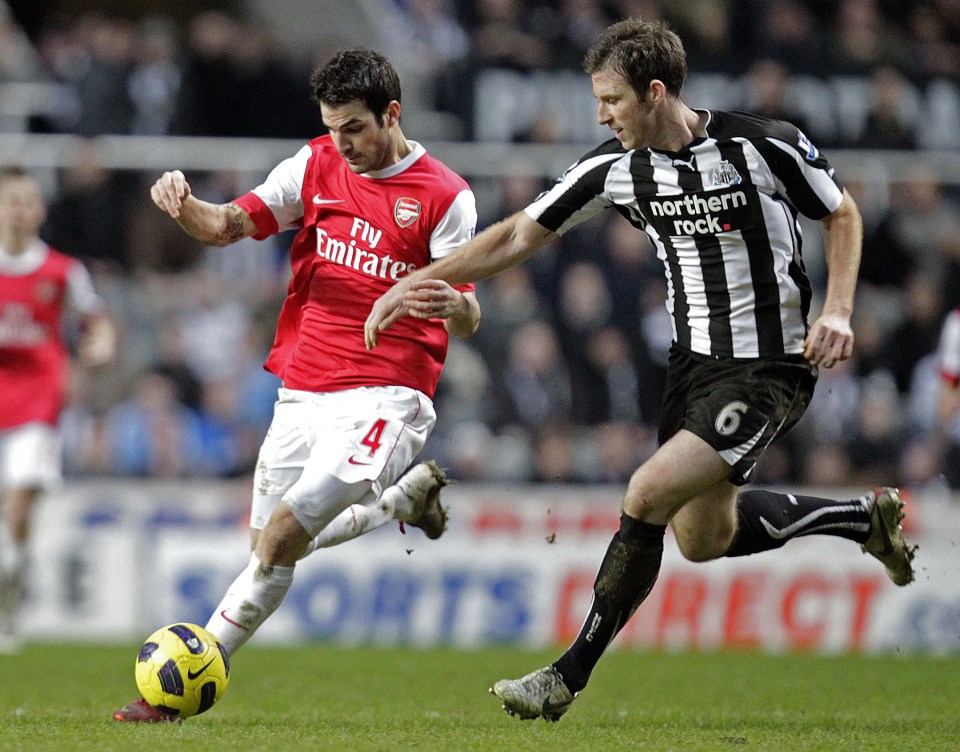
[356, 75]
[640, 51]
[13, 172]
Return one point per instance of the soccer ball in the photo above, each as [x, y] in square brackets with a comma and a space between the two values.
[182, 669]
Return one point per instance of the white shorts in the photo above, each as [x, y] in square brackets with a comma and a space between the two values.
[30, 457]
[326, 451]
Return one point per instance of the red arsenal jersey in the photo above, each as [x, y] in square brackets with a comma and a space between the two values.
[358, 235]
[949, 353]
[35, 288]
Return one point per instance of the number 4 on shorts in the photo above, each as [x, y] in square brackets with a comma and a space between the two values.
[374, 436]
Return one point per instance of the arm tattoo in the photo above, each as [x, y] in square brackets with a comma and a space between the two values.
[233, 231]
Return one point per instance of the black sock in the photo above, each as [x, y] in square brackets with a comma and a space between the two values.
[627, 574]
[767, 520]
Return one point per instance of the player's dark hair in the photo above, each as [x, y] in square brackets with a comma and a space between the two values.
[357, 75]
[640, 51]
[11, 172]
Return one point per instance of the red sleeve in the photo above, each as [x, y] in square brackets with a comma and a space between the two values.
[260, 213]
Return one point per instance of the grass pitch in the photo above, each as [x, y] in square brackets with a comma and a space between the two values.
[321, 697]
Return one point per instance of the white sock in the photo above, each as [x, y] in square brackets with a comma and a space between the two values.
[13, 565]
[358, 519]
[256, 593]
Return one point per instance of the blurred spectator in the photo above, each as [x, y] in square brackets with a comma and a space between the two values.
[556, 454]
[214, 324]
[101, 79]
[223, 451]
[916, 335]
[826, 466]
[151, 433]
[503, 35]
[705, 26]
[270, 79]
[155, 79]
[432, 35]
[580, 23]
[875, 445]
[171, 361]
[766, 93]
[156, 246]
[238, 81]
[87, 219]
[935, 34]
[509, 301]
[861, 38]
[791, 34]
[889, 124]
[621, 447]
[537, 381]
[615, 391]
[19, 60]
[923, 224]
[832, 415]
[209, 96]
[653, 347]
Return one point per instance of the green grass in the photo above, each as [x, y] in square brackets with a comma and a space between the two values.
[60, 697]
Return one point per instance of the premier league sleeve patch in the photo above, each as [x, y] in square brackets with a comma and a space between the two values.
[805, 146]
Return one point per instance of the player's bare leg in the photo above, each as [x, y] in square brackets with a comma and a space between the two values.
[17, 508]
[414, 499]
[255, 594]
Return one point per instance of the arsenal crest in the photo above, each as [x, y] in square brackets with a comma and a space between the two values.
[407, 211]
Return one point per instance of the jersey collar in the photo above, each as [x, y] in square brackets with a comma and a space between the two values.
[395, 169]
[23, 263]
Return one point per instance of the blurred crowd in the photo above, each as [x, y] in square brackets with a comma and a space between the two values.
[563, 380]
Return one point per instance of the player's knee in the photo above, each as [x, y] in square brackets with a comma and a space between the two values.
[700, 546]
[646, 502]
[283, 540]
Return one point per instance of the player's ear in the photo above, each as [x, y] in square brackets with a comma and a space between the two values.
[655, 92]
[392, 114]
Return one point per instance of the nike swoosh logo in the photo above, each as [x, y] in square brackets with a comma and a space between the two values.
[352, 461]
[806, 521]
[318, 200]
[236, 624]
[191, 675]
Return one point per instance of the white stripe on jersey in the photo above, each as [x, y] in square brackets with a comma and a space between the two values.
[571, 177]
[820, 180]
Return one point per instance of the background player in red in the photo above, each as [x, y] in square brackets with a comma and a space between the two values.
[371, 206]
[39, 287]
[948, 354]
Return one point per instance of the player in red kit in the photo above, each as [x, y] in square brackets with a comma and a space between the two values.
[948, 409]
[38, 287]
[371, 206]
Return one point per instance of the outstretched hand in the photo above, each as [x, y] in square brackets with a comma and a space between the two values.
[386, 310]
[420, 298]
[829, 340]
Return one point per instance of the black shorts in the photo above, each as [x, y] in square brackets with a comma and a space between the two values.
[738, 406]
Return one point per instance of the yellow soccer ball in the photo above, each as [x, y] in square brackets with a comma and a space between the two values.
[182, 669]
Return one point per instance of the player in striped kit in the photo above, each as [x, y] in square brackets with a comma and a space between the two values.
[39, 289]
[718, 194]
[371, 206]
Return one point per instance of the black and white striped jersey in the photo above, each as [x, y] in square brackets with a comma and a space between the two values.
[723, 216]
